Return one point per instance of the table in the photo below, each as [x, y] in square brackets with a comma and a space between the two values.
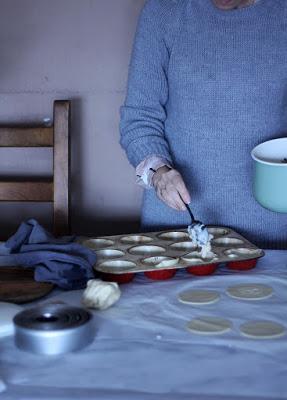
[143, 351]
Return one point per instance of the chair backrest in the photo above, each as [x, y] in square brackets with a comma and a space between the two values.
[55, 190]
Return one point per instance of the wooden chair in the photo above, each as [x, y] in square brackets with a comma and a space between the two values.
[55, 190]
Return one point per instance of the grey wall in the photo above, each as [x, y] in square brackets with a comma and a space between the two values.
[78, 50]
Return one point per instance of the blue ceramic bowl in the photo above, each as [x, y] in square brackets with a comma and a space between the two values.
[270, 177]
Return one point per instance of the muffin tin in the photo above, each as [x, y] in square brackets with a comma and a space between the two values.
[160, 254]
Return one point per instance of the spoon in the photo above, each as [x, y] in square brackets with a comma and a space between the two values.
[193, 220]
[197, 230]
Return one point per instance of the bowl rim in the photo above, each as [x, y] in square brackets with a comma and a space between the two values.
[262, 161]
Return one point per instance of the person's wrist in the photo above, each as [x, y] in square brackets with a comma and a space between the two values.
[158, 172]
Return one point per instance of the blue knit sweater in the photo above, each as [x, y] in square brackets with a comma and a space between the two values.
[206, 86]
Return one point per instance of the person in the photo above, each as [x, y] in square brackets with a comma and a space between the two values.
[207, 83]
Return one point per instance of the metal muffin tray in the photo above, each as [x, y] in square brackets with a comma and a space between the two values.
[170, 249]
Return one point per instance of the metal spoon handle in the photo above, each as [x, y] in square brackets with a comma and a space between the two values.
[190, 212]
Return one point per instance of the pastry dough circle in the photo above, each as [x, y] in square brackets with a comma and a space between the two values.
[198, 297]
[209, 325]
[253, 291]
[160, 261]
[262, 329]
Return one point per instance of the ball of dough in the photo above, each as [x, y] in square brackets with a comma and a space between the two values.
[101, 295]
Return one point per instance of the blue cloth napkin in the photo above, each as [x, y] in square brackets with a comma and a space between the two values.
[57, 260]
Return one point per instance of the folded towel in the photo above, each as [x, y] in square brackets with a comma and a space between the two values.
[60, 261]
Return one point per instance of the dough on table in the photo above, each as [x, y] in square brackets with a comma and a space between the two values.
[262, 329]
[253, 291]
[7, 313]
[209, 325]
[100, 295]
[198, 296]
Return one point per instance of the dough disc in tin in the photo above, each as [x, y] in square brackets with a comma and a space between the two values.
[254, 291]
[198, 297]
[262, 329]
[209, 325]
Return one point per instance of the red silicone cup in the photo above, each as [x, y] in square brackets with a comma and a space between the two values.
[118, 278]
[242, 265]
[161, 275]
[202, 270]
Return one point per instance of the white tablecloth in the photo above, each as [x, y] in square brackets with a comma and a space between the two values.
[143, 351]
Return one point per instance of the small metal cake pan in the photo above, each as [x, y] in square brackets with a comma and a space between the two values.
[53, 329]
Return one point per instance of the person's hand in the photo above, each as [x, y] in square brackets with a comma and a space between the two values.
[170, 188]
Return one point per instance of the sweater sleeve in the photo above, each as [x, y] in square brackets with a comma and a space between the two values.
[143, 113]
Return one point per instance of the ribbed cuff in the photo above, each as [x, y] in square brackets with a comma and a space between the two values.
[141, 149]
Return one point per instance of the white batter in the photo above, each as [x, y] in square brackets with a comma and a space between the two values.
[200, 236]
